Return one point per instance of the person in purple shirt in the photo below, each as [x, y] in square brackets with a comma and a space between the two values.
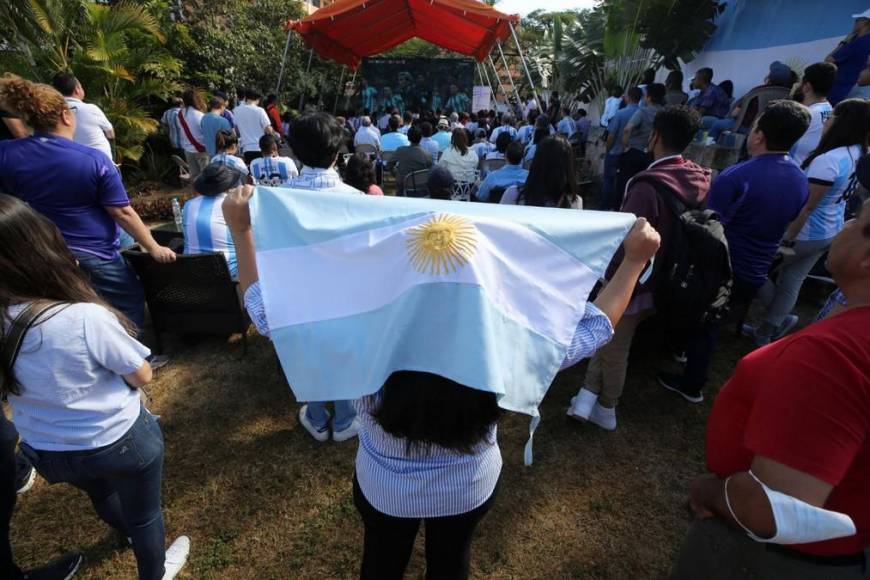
[78, 188]
[850, 56]
[713, 101]
[756, 201]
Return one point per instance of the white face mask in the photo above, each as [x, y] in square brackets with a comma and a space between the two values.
[798, 522]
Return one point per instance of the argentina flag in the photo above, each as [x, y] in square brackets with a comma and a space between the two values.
[357, 287]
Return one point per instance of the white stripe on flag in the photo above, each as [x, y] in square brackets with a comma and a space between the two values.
[529, 278]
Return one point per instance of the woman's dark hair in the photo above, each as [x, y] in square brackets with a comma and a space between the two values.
[50, 272]
[502, 141]
[271, 99]
[649, 76]
[427, 409]
[728, 87]
[459, 141]
[191, 98]
[552, 181]
[224, 139]
[426, 128]
[539, 135]
[359, 173]
[850, 126]
[316, 139]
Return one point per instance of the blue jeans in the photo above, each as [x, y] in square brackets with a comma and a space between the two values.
[716, 126]
[123, 483]
[608, 182]
[318, 414]
[117, 283]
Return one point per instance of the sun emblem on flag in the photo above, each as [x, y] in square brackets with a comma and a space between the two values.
[442, 245]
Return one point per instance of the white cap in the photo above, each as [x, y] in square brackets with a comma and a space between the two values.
[865, 14]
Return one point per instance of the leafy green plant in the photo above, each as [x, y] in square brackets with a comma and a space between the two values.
[117, 52]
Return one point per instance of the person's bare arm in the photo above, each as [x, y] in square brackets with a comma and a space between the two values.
[16, 127]
[626, 135]
[140, 377]
[110, 134]
[237, 214]
[611, 139]
[126, 217]
[747, 498]
[817, 193]
[640, 245]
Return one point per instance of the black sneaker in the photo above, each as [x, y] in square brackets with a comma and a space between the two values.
[673, 383]
[63, 568]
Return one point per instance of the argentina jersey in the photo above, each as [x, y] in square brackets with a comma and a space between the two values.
[273, 171]
[205, 229]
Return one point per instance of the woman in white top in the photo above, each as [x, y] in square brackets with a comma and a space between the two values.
[459, 159]
[74, 387]
[552, 181]
[192, 139]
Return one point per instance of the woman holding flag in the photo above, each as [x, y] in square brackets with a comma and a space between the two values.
[428, 448]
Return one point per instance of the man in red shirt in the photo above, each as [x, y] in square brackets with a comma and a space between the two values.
[789, 434]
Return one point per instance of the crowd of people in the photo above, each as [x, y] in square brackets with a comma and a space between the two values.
[787, 439]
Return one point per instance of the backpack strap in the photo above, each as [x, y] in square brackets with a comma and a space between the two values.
[670, 197]
[19, 327]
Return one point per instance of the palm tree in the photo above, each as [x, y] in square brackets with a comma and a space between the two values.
[117, 52]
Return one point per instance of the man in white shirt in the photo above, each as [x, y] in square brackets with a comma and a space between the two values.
[818, 79]
[367, 135]
[611, 106]
[93, 129]
[252, 123]
[507, 125]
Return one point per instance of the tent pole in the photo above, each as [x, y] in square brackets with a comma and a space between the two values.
[340, 89]
[352, 84]
[510, 76]
[500, 85]
[283, 62]
[307, 70]
[526, 67]
[488, 82]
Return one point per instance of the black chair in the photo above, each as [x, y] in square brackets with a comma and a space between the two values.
[193, 295]
[416, 184]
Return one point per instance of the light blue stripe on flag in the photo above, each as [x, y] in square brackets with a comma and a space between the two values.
[366, 348]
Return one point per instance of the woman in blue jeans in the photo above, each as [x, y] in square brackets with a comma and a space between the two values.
[74, 387]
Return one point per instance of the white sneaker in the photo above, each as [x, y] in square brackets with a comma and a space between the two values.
[176, 557]
[348, 433]
[582, 404]
[604, 417]
[321, 435]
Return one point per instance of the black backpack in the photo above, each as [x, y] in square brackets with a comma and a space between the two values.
[695, 281]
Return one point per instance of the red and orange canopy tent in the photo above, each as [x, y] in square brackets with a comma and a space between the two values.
[349, 30]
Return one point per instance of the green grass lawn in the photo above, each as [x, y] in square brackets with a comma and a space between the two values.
[260, 499]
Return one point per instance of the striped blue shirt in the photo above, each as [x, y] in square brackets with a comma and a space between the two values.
[205, 229]
[170, 121]
[232, 162]
[437, 482]
[273, 171]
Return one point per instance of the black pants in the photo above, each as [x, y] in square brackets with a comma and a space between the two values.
[8, 441]
[701, 344]
[631, 163]
[389, 541]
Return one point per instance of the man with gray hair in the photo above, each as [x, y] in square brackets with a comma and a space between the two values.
[367, 134]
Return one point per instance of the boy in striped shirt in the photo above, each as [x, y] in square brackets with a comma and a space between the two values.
[270, 169]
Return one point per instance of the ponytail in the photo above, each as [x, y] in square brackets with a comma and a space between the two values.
[225, 139]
